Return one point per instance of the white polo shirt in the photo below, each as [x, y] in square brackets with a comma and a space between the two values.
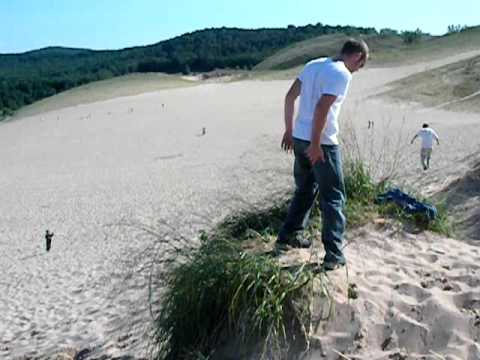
[321, 76]
[427, 135]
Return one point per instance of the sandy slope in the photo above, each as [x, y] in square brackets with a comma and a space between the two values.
[127, 85]
[81, 171]
[417, 297]
[463, 197]
[93, 173]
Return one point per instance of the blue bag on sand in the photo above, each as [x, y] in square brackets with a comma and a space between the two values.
[408, 203]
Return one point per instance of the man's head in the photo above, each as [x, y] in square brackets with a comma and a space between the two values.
[425, 126]
[354, 54]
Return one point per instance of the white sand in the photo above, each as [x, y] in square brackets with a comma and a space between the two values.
[418, 297]
[85, 172]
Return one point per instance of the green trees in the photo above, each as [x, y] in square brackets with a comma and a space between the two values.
[456, 28]
[28, 77]
[411, 37]
[388, 32]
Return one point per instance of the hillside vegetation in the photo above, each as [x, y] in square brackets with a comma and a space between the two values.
[128, 85]
[26, 78]
[454, 86]
[387, 49]
[32, 76]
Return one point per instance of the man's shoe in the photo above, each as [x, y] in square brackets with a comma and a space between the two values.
[295, 240]
[331, 266]
[285, 243]
[280, 247]
[300, 242]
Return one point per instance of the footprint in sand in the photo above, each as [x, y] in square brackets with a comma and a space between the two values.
[394, 276]
[168, 157]
[417, 292]
[390, 261]
[430, 258]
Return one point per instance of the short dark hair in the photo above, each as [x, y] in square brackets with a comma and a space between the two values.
[352, 46]
[425, 125]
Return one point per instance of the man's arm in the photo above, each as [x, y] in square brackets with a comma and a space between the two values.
[416, 135]
[314, 151]
[290, 98]
[436, 137]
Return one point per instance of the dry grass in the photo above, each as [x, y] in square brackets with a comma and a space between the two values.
[385, 50]
[454, 86]
[218, 295]
[104, 90]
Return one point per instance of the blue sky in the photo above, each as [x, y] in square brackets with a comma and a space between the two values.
[114, 24]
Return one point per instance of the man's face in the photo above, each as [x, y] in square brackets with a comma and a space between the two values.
[357, 61]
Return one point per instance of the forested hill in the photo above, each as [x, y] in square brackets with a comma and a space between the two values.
[30, 76]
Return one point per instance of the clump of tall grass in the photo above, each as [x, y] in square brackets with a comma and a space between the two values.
[418, 221]
[379, 152]
[367, 171]
[361, 191]
[359, 184]
[220, 292]
[370, 166]
[223, 293]
[442, 223]
[264, 221]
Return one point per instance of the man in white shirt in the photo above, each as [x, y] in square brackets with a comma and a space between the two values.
[322, 86]
[427, 135]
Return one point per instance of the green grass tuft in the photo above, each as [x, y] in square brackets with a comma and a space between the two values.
[222, 293]
[419, 222]
[361, 206]
[361, 191]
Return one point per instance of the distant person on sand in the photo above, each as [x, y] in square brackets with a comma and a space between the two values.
[48, 239]
[322, 87]
[427, 135]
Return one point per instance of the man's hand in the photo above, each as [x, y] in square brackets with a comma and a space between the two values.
[292, 95]
[315, 154]
[287, 141]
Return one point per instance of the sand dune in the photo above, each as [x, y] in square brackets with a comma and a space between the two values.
[95, 174]
[463, 196]
[418, 297]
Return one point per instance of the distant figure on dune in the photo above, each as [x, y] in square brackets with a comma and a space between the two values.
[370, 124]
[322, 87]
[48, 238]
[427, 135]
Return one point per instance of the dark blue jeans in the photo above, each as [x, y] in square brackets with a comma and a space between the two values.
[324, 179]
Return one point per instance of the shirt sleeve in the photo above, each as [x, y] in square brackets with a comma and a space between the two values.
[434, 134]
[336, 84]
[303, 73]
